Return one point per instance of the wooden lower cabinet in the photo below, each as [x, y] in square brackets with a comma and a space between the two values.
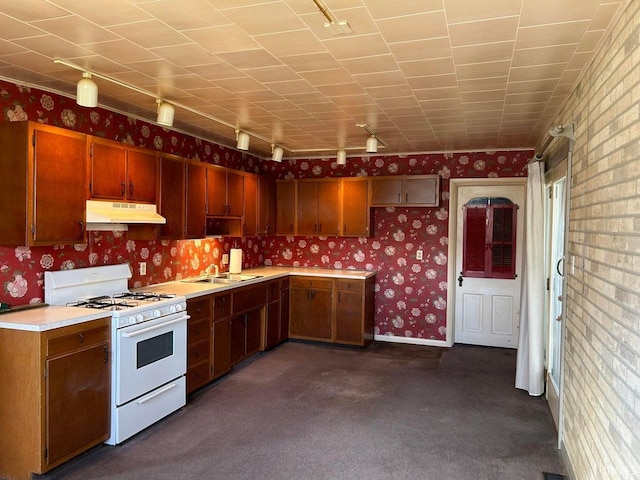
[276, 326]
[199, 342]
[221, 335]
[245, 335]
[55, 397]
[332, 310]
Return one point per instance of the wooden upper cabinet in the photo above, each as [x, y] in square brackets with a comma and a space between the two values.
[172, 197]
[250, 218]
[318, 207]
[225, 192]
[286, 207]
[408, 190]
[356, 214]
[196, 188]
[43, 203]
[121, 172]
[266, 206]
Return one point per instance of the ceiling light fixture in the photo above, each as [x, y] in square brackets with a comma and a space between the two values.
[165, 113]
[341, 157]
[87, 91]
[336, 27]
[276, 153]
[373, 141]
[242, 140]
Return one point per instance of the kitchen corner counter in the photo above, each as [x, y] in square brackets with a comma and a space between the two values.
[48, 318]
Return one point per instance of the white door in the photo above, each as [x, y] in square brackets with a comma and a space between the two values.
[555, 214]
[487, 310]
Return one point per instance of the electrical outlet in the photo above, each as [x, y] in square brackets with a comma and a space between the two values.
[225, 259]
[419, 254]
[142, 268]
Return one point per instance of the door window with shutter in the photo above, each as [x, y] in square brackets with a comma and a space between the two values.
[489, 238]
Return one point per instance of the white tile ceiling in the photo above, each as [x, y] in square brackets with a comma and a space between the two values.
[425, 75]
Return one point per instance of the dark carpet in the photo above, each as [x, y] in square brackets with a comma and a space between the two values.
[306, 411]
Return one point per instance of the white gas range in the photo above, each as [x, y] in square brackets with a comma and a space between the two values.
[148, 343]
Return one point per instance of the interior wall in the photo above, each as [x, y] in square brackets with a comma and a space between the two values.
[410, 295]
[601, 387]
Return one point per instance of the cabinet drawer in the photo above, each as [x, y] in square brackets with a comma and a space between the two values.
[197, 377]
[197, 330]
[76, 340]
[249, 298]
[350, 285]
[197, 353]
[222, 306]
[199, 308]
[312, 282]
[284, 284]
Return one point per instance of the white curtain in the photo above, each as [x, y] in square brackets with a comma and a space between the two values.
[530, 360]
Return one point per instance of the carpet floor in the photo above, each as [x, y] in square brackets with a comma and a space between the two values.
[304, 411]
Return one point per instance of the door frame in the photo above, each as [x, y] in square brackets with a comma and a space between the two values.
[454, 211]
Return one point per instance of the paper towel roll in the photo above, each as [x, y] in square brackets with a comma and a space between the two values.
[235, 260]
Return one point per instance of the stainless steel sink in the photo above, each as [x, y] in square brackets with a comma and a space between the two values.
[223, 278]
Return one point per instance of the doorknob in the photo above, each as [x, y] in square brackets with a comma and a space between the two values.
[460, 280]
[558, 267]
[559, 318]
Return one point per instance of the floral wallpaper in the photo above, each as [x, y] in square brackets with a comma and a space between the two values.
[410, 294]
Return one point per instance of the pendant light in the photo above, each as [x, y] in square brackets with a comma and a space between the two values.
[87, 91]
[341, 158]
[243, 140]
[372, 144]
[165, 113]
[276, 153]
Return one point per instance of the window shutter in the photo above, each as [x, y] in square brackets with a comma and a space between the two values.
[473, 256]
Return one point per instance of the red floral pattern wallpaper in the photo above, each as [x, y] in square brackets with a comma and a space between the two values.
[410, 294]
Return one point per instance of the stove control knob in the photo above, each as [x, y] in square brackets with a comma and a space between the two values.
[179, 307]
[139, 317]
[156, 313]
[173, 308]
[132, 320]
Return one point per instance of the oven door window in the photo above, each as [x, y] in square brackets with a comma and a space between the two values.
[154, 349]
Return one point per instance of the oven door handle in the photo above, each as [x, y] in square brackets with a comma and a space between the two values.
[155, 327]
[153, 395]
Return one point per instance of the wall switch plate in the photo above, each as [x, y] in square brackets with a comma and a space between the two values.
[142, 268]
[419, 254]
[225, 259]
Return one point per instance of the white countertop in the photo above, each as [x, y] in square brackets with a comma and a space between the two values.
[47, 318]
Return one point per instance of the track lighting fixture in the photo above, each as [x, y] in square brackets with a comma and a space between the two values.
[372, 144]
[242, 139]
[165, 113]
[276, 153]
[87, 91]
[341, 157]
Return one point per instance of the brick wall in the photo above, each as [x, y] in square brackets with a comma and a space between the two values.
[602, 350]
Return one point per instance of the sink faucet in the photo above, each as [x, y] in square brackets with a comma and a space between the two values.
[216, 269]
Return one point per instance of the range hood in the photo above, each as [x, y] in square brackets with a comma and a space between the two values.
[117, 215]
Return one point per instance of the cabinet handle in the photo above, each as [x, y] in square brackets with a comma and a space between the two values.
[399, 198]
[81, 228]
[122, 189]
[339, 297]
[106, 354]
[131, 189]
[406, 197]
[319, 228]
[291, 228]
[80, 337]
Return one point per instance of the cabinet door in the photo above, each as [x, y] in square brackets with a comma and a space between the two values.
[286, 208]
[142, 176]
[235, 194]
[320, 314]
[250, 220]
[221, 347]
[59, 195]
[328, 208]
[349, 317]
[386, 191]
[172, 197]
[77, 395]
[307, 208]
[421, 191]
[216, 191]
[108, 171]
[284, 311]
[238, 338]
[253, 325]
[266, 206]
[299, 312]
[196, 200]
[272, 326]
[355, 207]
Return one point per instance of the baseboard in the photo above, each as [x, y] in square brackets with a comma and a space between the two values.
[412, 341]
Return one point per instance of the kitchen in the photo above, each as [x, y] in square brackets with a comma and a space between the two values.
[396, 235]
